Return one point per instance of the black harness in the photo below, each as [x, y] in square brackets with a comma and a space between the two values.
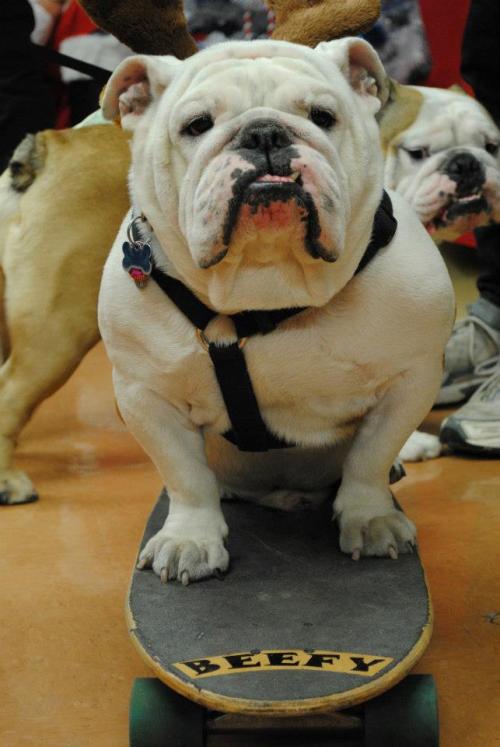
[248, 430]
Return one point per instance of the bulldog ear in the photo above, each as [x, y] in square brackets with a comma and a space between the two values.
[456, 88]
[136, 82]
[361, 65]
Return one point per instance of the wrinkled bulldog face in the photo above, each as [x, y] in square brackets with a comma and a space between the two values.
[447, 165]
[269, 192]
[257, 165]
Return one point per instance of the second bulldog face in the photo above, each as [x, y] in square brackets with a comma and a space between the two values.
[256, 157]
[447, 163]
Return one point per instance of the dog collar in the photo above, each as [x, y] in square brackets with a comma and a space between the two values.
[249, 431]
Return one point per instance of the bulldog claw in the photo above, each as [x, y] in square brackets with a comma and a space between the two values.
[389, 535]
[183, 558]
[144, 562]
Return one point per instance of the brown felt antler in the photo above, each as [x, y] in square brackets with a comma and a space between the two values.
[312, 21]
[159, 26]
[146, 26]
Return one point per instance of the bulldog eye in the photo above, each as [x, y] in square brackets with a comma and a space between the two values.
[322, 118]
[492, 148]
[417, 154]
[198, 126]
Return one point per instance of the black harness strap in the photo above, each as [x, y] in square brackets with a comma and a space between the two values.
[249, 431]
[191, 306]
[248, 323]
[384, 228]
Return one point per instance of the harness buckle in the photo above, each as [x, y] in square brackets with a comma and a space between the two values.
[205, 342]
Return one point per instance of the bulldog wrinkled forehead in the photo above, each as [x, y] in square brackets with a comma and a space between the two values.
[141, 79]
[446, 119]
[340, 52]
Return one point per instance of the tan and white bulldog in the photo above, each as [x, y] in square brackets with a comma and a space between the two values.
[442, 155]
[259, 170]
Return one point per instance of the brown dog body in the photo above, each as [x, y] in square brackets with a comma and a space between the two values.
[54, 240]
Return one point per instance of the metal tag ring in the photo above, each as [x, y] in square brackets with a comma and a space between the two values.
[205, 342]
[130, 227]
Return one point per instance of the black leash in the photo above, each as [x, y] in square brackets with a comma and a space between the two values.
[100, 74]
[248, 429]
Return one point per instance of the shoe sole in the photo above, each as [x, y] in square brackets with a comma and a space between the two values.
[451, 438]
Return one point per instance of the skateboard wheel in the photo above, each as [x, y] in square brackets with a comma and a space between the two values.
[405, 716]
[159, 717]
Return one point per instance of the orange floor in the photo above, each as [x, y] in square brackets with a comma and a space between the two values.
[67, 663]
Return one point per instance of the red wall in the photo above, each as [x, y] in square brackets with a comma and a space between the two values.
[444, 22]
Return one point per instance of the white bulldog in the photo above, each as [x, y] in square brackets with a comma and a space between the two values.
[443, 156]
[258, 169]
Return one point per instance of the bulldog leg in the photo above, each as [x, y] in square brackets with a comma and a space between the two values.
[53, 243]
[45, 350]
[369, 522]
[190, 545]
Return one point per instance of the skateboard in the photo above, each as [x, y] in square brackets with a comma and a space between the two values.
[297, 645]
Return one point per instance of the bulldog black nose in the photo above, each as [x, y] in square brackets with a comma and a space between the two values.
[463, 166]
[264, 135]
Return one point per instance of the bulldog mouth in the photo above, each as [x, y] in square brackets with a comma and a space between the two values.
[271, 192]
[467, 209]
[275, 179]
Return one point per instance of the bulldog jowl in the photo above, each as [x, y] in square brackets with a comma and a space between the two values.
[463, 183]
[270, 195]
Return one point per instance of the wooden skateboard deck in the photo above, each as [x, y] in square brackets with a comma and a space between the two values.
[296, 627]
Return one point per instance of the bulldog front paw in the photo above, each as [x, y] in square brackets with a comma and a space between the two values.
[383, 536]
[184, 557]
[16, 488]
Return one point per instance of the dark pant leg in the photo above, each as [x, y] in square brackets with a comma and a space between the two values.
[481, 69]
[83, 99]
[488, 249]
[26, 101]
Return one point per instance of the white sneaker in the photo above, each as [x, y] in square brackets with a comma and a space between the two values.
[475, 427]
[471, 355]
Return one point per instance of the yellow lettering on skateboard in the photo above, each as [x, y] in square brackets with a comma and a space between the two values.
[365, 665]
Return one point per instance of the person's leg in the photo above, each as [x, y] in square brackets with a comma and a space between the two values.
[488, 251]
[473, 352]
[473, 349]
[472, 360]
[83, 99]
